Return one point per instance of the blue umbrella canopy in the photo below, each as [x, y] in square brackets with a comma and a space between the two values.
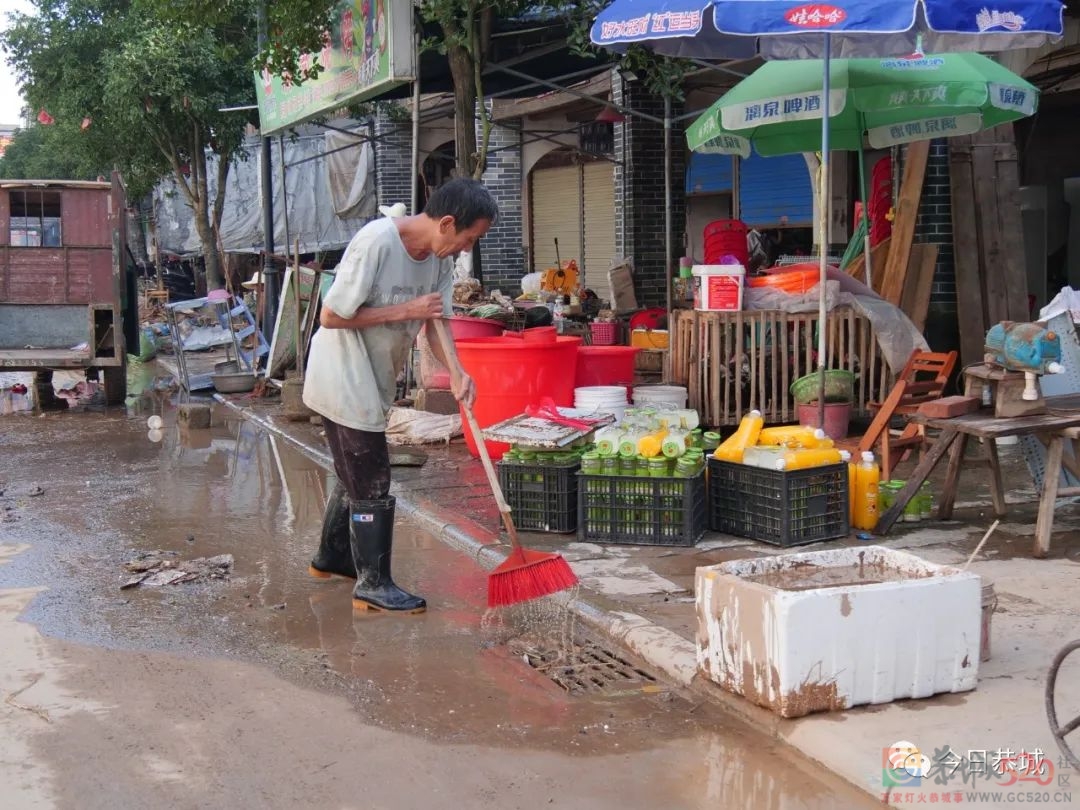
[790, 29]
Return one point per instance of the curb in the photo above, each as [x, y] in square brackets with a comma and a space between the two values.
[658, 647]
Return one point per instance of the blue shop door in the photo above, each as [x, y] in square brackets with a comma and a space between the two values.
[709, 174]
[775, 192]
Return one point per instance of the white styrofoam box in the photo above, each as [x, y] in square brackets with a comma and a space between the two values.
[889, 626]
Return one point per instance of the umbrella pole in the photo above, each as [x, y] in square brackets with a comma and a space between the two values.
[865, 209]
[667, 222]
[823, 225]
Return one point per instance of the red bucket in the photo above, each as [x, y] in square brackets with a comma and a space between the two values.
[605, 365]
[511, 373]
[434, 374]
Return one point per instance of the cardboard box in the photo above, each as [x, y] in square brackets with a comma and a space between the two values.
[621, 278]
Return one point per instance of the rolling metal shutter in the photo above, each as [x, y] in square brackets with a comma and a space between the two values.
[775, 192]
[709, 174]
[556, 214]
[599, 218]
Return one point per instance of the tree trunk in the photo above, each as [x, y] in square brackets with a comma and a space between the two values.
[461, 68]
[207, 239]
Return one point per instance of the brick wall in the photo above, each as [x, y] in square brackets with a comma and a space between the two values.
[502, 249]
[393, 160]
[934, 225]
[639, 189]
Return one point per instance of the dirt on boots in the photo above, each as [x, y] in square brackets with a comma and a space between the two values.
[371, 528]
[334, 557]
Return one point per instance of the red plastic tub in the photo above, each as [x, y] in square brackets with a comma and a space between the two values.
[510, 374]
[605, 365]
[434, 374]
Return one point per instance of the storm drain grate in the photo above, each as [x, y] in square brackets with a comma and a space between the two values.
[585, 668]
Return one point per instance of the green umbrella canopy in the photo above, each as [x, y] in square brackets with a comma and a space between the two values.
[892, 101]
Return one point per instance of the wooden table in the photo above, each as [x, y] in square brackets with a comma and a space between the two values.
[953, 439]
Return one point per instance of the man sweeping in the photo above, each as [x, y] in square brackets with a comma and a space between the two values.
[395, 277]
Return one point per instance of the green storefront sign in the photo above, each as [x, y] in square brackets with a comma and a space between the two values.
[368, 51]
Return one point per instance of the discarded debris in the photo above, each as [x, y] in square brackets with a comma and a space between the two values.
[152, 569]
[406, 426]
[10, 700]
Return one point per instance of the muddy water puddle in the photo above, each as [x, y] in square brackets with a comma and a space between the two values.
[813, 577]
[458, 673]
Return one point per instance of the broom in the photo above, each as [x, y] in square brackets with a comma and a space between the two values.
[525, 574]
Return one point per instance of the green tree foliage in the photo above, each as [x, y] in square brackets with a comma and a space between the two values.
[133, 88]
[465, 27]
[46, 153]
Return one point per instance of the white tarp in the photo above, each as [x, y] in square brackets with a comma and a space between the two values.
[311, 214]
[350, 169]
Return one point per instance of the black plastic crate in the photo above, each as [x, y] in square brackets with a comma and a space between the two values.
[541, 498]
[782, 508]
[641, 511]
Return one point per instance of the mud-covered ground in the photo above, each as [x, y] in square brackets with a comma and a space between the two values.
[265, 690]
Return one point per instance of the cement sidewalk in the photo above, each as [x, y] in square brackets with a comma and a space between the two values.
[642, 599]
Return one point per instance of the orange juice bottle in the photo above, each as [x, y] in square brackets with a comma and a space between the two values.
[651, 444]
[852, 469]
[867, 478]
[801, 458]
[746, 436]
[795, 436]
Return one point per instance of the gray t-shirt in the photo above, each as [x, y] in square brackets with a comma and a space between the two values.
[351, 376]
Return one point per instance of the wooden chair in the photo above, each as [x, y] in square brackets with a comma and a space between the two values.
[911, 390]
[926, 375]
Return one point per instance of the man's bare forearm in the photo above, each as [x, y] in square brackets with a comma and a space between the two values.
[366, 317]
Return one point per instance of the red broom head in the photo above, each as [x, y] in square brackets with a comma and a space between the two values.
[539, 575]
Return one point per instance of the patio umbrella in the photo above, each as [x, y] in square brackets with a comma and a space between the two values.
[789, 29]
[887, 101]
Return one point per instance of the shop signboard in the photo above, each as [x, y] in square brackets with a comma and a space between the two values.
[368, 51]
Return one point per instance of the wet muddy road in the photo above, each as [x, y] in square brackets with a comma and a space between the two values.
[265, 690]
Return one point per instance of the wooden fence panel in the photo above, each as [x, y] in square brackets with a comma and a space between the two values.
[735, 362]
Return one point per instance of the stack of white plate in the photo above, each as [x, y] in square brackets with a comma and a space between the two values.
[660, 396]
[602, 399]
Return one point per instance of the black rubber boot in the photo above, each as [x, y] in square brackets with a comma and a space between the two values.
[334, 557]
[371, 528]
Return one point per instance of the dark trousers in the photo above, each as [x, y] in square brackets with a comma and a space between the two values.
[361, 460]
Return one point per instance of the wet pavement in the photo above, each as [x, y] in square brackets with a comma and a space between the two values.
[457, 676]
[642, 599]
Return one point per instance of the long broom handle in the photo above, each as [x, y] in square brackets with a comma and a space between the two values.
[450, 351]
